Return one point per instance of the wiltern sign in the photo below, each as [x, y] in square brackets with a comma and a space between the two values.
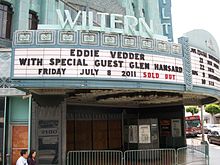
[128, 25]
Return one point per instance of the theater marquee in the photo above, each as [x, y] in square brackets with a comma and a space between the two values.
[67, 63]
[205, 68]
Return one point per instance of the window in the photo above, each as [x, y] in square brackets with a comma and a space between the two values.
[5, 21]
[192, 123]
[33, 21]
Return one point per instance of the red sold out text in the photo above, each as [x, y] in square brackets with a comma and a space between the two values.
[150, 75]
[170, 77]
[157, 75]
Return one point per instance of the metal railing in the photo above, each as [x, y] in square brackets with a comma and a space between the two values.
[94, 157]
[191, 155]
[198, 154]
[150, 157]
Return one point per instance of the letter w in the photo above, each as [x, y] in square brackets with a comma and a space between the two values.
[22, 61]
[68, 18]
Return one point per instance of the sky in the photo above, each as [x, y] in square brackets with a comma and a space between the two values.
[188, 15]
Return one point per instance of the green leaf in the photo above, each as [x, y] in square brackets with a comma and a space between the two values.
[192, 110]
[212, 109]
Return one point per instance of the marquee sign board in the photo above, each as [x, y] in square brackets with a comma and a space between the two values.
[69, 63]
[205, 68]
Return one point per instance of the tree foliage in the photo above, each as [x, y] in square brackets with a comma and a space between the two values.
[212, 109]
[192, 110]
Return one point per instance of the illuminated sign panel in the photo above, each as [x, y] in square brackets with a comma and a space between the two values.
[95, 63]
[192, 118]
[205, 69]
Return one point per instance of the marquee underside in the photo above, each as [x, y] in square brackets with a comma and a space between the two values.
[125, 98]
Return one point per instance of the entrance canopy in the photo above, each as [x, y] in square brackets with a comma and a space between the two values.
[125, 98]
[114, 69]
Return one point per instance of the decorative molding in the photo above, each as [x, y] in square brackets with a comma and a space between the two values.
[5, 56]
[24, 38]
[186, 63]
[5, 82]
[162, 46]
[49, 117]
[46, 37]
[147, 44]
[92, 116]
[110, 40]
[11, 92]
[89, 38]
[49, 113]
[5, 62]
[129, 42]
[176, 48]
[67, 37]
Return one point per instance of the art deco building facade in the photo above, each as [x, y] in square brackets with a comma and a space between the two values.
[98, 75]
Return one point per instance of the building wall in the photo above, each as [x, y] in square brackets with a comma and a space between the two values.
[18, 109]
[2, 106]
[20, 16]
[17, 127]
[167, 139]
[49, 114]
[17, 112]
[142, 8]
[46, 11]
